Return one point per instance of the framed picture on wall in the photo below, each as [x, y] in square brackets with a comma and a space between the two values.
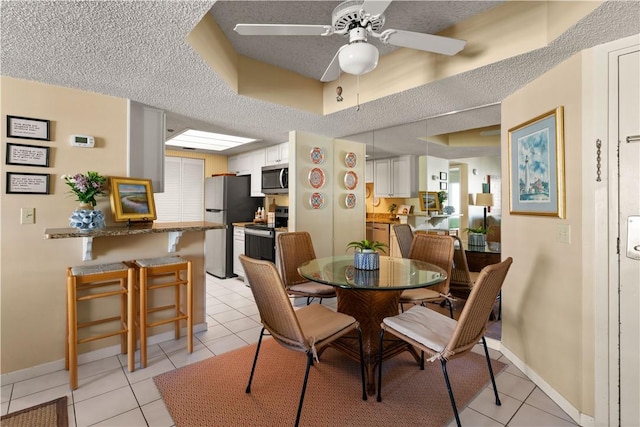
[536, 166]
[27, 128]
[429, 201]
[443, 185]
[132, 199]
[27, 183]
[27, 155]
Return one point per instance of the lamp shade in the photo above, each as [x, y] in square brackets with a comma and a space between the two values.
[358, 58]
[484, 199]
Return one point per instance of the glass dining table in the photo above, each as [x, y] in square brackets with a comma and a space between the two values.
[370, 296]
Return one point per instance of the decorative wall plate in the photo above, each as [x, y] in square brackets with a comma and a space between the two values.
[368, 192]
[350, 180]
[376, 201]
[351, 160]
[350, 201]
[316, 200]
[316, 178]
[317, 155]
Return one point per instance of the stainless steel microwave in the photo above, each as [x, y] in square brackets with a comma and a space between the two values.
[275, 179]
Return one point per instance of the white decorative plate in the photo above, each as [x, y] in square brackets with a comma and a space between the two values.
[317, 155]
[376, 201]
[350, 201]
[316, 178]
[350, 180]
[316, 200]
[351, 160]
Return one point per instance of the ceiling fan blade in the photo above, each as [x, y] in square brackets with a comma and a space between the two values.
[375, 7]
[333, 70]
[427, 42]
[282, 30]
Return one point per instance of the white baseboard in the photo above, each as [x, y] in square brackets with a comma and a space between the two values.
[91, 356]
[582, 419]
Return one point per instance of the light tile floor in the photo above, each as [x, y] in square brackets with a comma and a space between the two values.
[110, 395]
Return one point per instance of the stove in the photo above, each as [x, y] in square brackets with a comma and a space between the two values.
[260, 238]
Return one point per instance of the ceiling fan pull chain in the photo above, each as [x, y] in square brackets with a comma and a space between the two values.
[358, 93]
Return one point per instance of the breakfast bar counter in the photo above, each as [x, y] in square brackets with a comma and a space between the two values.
[174, 231]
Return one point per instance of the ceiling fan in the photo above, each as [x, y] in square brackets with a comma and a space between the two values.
[358, 19]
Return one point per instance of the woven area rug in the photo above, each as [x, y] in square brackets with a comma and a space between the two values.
[49, 414]
[212, 392]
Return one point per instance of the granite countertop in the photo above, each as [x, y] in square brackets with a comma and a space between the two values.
[243, 224]
[122, 230]
[383, 220]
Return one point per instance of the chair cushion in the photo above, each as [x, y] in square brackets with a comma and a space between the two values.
[319, 322]
[419, 294]
[313, 288]
[428, 327]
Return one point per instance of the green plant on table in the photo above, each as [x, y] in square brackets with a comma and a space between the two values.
[392, 208]
[368, 245]
[477, 230]
[442, 196]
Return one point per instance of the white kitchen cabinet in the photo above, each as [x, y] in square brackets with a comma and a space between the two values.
[396, 177]
[239, 164]
[257, 161]
[238, 249]
[368, 171]
[277, 154]
[394, 247]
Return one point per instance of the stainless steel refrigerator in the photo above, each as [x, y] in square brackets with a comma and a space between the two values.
[226, 200]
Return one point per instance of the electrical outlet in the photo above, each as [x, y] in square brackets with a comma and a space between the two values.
[27, 215]
[563, 233]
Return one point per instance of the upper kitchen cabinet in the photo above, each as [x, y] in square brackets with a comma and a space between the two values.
[240, 164]
[146, 144]
[396, 177]
[277, 154]
[257, 161]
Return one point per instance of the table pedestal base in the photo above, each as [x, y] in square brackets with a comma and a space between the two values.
[369, 308]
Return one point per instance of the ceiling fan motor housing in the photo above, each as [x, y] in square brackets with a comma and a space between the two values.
[347, 15]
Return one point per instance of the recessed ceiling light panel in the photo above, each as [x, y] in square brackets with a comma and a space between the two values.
[201, 140]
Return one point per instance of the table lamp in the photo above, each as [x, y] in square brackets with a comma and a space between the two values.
[486, 200]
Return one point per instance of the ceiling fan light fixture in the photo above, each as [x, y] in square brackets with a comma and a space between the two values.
[358, 58]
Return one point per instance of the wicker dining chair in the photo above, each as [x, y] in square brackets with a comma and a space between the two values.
[404, 234]
[436, 250]
[442, 338]
[295, 248]
[307, 330]
[462, 279]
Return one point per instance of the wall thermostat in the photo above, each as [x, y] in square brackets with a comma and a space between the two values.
[82, 141]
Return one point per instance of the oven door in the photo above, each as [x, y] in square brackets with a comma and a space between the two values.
[260, 244]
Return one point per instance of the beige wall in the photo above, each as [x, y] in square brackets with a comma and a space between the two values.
[543, 308]
[32, 276]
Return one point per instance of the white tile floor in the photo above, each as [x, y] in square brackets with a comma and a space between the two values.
[109, 395]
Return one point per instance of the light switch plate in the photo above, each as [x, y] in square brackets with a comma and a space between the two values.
[27, 216]
[564, 233]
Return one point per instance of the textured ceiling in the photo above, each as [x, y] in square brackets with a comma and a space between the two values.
[137, 50]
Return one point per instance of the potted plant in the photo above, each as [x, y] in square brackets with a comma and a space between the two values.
[477, 236]
[366, 256]
[392, 208]
[442, 197]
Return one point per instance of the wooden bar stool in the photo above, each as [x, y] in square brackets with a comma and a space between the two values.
[158, 273]
[89, 282]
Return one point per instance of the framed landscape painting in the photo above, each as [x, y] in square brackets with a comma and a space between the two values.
[536, 166]
[132, 199]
